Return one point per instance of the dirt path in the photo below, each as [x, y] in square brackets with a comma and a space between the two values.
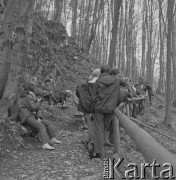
[69, 160]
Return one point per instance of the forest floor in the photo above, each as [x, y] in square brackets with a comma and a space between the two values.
[69, 160]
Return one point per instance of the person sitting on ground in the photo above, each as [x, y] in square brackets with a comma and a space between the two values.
[28, 116]
[48, 90]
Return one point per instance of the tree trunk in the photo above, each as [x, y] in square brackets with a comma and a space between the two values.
[149, 41]
[120, 37]
[112, 55]
[5, 41]
[87, 25]
[143, 40]
[161, 56]
[74, 18]
[58, 9]
[24, 11]
[174, 63]
[96, 17]
[167, 117]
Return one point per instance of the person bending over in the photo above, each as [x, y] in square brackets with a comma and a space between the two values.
[27, 114]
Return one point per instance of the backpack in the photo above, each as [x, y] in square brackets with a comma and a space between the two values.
[86, 101]
[108, 97]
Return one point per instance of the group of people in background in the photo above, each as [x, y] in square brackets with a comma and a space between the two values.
[33, 93]
[95, 101]
[107, 90]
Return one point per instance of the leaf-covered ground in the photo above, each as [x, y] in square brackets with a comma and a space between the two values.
[53, 53]
[69, 160]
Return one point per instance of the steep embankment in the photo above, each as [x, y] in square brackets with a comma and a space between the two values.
[54, 54]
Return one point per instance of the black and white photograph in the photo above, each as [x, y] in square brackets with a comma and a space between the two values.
[87, 89]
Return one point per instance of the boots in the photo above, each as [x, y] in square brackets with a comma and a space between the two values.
[46, 146]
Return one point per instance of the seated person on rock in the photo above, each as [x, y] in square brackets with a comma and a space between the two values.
[62, 98]
[27, 115]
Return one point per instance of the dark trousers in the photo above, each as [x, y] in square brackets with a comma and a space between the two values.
[90, 127]
[43, 127]
[101, 122]
[150, 95]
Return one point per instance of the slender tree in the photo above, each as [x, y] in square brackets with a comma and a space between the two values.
[170, 7]
[112, 55]
[174, 62]
[74, 18]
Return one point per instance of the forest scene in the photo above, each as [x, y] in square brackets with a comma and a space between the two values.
[123, 54]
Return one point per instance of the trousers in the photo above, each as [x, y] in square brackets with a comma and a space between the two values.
[101, 122]
[43, 127]
[90, 127]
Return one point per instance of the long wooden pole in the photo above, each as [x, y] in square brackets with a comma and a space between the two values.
[116, 135]
[150, 149]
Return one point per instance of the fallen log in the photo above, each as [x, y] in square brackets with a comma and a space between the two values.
[150, 149]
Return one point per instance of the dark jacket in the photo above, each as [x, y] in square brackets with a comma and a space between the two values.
[28, 108]
[86, 101]
[107, 93]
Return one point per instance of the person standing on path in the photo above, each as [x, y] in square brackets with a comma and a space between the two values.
[107, 95]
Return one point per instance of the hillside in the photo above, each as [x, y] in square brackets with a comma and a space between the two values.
[54, 54]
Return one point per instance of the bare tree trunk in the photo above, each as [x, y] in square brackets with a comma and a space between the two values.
[143, 40]
[87, 24]
[149, 41]
[174, 62]
[167, 117]
[96, 17]
[108, 33]
[6, 42]
[22, 31]
[74, 18]
[80, 25]
[120, 37]
[123, 53]
[58, 9]
[161, 56]
[112, 55]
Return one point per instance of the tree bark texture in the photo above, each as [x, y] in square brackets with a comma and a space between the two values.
[167, 117]
[74, 18]
[112, 54]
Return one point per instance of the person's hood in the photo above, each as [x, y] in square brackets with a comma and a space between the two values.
[106, 79]
[93, 80]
